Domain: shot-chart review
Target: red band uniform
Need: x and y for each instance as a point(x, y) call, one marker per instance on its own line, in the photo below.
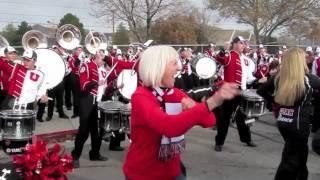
point(234, 72)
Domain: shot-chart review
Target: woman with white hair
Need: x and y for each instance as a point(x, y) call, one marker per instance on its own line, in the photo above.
point(161, 115)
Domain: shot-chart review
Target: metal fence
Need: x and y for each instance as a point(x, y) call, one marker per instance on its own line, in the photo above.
point(202, 47)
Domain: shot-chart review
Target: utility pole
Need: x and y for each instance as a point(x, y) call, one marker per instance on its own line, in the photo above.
point(112, 22)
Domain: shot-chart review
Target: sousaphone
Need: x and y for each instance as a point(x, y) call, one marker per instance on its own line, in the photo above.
point(94, 41)
point(3, 44)
point(68, 36)
point(34, 39)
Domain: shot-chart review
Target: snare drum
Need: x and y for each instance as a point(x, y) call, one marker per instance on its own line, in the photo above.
point(111, 110)
point(252, 105)
point(18, 128)
point(125, 112)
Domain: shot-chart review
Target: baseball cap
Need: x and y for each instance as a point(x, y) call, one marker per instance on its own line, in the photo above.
point(238, 39)
point(119, 51)
point(9, 49)
point(309, 49)
point(30, 54)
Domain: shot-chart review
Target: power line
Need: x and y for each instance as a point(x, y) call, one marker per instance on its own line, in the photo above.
point(38, 15)
point(42, 5)
point(45, 24)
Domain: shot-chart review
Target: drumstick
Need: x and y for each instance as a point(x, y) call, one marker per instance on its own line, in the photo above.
point(110, 71)
point(49, 98)
point(262, 74)
point(249, 37)
point(234, 31)
point(94, 40)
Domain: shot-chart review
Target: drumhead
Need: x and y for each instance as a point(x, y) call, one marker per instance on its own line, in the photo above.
point(17, 114)
point(251, 94)
point(52, 65)
point(126, 108)
point(110, 106)
point(129, 79)
point(206, 67)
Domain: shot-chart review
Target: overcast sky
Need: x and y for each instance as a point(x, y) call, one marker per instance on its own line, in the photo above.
point(45, 11)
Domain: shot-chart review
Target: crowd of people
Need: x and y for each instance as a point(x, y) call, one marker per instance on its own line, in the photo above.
point(171, 98)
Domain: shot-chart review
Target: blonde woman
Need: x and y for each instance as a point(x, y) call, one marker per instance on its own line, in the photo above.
point(291, 90)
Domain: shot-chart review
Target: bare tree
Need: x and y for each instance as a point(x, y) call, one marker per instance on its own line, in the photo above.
point(265, 16)
point(138, 14)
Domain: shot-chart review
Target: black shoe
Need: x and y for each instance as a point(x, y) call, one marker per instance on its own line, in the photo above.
point(251, 144)
point(76, 163)
point(218, 148)
point(74, 116)
point(97, 158)
point(69, 108)
point(116, 148)
point(63, 116)
point(48, 118)
point(40, 119)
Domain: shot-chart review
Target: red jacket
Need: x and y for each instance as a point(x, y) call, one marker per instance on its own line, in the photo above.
point(232, 67)
point(89, 73)
point(148, 124)
point(6, 69)
point(262, 71)
point(74, 67)
point(121, 65)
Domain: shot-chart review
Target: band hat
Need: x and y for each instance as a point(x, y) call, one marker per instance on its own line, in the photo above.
point(114, 47)
point(30, 54)
point(261, 46)
point(9, 49)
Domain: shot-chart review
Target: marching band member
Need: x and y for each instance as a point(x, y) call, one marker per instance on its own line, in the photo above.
point(88, 110)
point(187, 79)
point(8, 62)
point(115, 141)
point(156, 128)
point(309, 57)
point(292, 90)
point(26, 83)
point(211, 50)
point(235, 71)
point(56, 94)
point(74, 64)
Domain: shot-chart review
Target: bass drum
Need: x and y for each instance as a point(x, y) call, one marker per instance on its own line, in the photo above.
point(52, 65)
point(205, 67)
point(129, 80)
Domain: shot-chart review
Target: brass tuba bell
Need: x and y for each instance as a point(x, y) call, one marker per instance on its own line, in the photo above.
point(34, 39)
point(94, 41)
point(68, 36)
point(3, 44)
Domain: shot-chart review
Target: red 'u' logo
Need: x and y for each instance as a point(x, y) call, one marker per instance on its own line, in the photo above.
point(34, 76)
point(104, 74)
